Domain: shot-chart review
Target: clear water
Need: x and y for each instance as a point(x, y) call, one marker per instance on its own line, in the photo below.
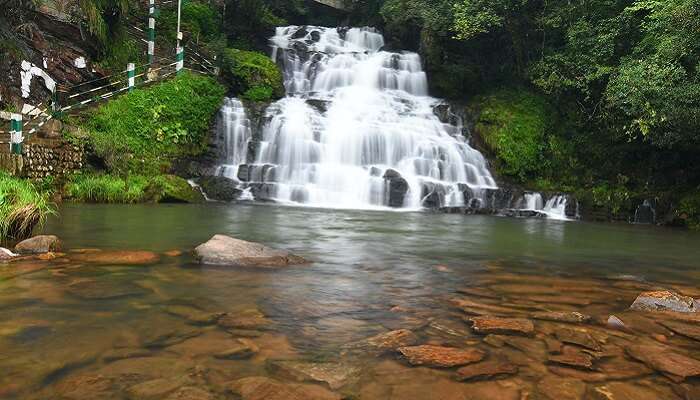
point(365, 264)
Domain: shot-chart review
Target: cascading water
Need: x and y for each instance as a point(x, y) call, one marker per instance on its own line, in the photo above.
point(356, 130)
point(556, 207)
point(236, 132)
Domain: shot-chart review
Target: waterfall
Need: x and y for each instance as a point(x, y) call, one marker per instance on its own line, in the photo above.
point(234, 126)
point(554, 208)
point(355, 130)
point(532, 201)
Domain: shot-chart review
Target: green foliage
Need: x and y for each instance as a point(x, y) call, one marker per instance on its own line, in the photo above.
point(689, 210)
point(198, 18)
point(514, 125)
point(253, 74)
point(143, 131)
point(22, 207)
point(132, 189)
point(104, 18)
point(122, 50)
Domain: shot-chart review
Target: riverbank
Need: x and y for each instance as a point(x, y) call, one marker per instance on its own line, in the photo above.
point(97, 321)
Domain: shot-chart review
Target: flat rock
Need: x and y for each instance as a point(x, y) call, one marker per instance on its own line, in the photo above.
point(486, 370)
point(244, 349)
point(683, 329)
point(39, 244)
point(623, 391)
point(562, 316)
point(477, 308)
point(620, 368)
point(251, 319)
point(502, 326)
point(578, 374)
point(117, 257)
point(190, 393)
point(225, 250)
point(193, 315)
point(263, 388)
point(439, 356)
point(573, 358)
point(578, 337)
point(664, 300)
point(554, 388)
point(102, 289)
point(120, 354)
point(388, 341)
point(335, 375)
point(663, 359)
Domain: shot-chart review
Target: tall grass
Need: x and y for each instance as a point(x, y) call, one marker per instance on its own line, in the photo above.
point(107, 189)
point(22, 207)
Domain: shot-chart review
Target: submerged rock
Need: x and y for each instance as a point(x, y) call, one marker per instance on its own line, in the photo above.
point(441, 357)
point(247, 320)
point(193, 315)
point(335, 375)
point(573, 358)
point(562, 316)
point(553, 388)
point(387, 341)
point(263, 388)
point(244, 349)
point(117, 257)
point(6, 254)
point(661, 358)
point(578, 337)
point(39, 244)
point(225, 250)
point(664, 300)
point(486, 370)
point(502, 326)
point(683, 329)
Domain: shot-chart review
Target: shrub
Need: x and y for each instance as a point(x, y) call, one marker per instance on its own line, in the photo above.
point(132, 189)
point(253, 75)
point(200, 19)
point(22, 207)
point(689, 210)
point(144, 131)
point(514, 125)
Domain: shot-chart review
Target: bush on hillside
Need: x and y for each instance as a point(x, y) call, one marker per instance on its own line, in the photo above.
point(252, 75)
point(144, 131)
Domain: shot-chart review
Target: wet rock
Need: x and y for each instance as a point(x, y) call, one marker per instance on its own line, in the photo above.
point(623, 391)
point(578, 337)
point(85, 387)
point(117, 257)
point(486, 370)
point(251, 319)
point(531, 347)
point(173, 253)
point(245, 333)
point(502, 326)
point(664, 300)
point(39, 244)
point(120, 354)
point(168, 336)
point(661, 358)
point(155, 389)
point(335, 375)
point(244, 349)
point(478, 308)
point(553, 345)
point(6, 254)
point(439, 356)
point(622, 368)
point(572, 358)
point(553, 388)
point(190, 393)
point(262, 388)
point(578, 374)
point(225, 250)
point(562, 316)
point(389, 341)
point(102, 289)
point(615, 323)
point(683, 329)
point(193, 315)
point(220, 188)
point(397, 187)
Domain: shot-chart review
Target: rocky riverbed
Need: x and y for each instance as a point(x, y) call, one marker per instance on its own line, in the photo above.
point(136, 324)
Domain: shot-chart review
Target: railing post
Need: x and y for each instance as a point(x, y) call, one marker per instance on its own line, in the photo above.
point(16, 137)
point(180, 59)
point(131, 74)
point(151, 31)
point(55, 106)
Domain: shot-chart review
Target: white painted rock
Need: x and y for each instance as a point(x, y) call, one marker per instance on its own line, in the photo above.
point(225, 250)
point(664, 300)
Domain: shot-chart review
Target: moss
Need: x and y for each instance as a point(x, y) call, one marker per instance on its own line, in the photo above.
point(198, 18)
point(688, 210)
point(133, 189)
point(252, 75)
point(144, 131)
point(513, 125)
point(22, 207)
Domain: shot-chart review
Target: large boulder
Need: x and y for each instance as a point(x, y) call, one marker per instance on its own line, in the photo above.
point(397, 188)
point(220, 188)
point(664, 300)
point(173, 189)
point(225, 250)
point(39, 244)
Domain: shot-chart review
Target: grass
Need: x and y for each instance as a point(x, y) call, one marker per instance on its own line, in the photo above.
point(144, 131)
point(22, 207)
point(90, 188)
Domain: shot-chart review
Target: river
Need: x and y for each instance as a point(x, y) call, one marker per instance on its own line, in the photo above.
point(78, 329)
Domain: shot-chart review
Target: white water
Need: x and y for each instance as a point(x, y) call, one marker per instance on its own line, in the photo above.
point(554, 208)
point(235, 127)
point(351, 113)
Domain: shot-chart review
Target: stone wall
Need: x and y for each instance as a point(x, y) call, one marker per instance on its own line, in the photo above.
point(54, 157)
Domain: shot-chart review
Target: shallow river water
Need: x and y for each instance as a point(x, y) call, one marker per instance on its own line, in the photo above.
point(87, 326)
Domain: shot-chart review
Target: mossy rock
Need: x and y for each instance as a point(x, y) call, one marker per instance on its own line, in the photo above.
point(252, 75)
point(173, 189)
